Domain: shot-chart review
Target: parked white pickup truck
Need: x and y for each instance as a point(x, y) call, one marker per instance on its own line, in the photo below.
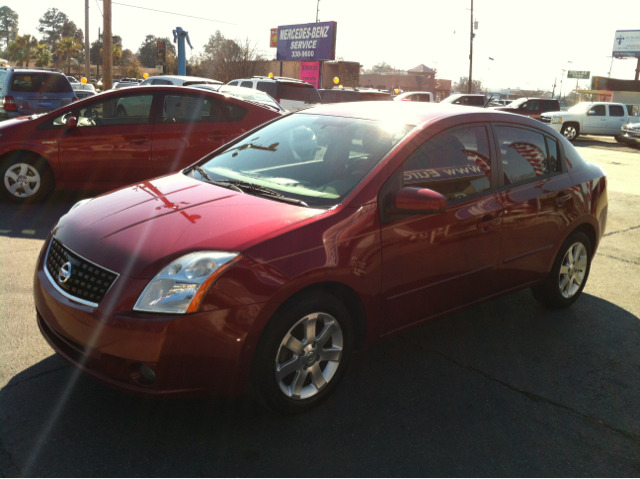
point(588, 118)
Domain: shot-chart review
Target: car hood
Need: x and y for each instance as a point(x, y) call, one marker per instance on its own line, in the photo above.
point(138, 229)
point(8, 124)
point(551, 114)
point(632, 126)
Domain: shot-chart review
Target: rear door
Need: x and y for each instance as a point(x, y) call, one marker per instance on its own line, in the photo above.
point(537, 199)
point(617, 118)
point(108, 148)
point(189, 126)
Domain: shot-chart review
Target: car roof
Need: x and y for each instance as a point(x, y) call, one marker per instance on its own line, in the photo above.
point(185, 78)
point(350, 88)
point(412, 113)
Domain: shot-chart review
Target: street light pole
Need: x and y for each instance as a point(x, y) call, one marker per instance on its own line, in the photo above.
point(470, 81)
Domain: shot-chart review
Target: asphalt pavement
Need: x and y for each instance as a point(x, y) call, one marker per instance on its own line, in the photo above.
point(506, 388)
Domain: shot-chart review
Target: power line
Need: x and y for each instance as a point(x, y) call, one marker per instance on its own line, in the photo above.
point(173, 13)
point(99, 9)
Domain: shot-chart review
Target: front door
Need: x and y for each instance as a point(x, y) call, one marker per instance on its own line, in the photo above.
point(110, 147)
point(595, 122)
point(537, 198)
point(434, 263)
point(190, 126)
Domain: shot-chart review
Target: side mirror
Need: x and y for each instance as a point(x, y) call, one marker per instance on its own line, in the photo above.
point(419, 200)
point(592, 112)
point(71, 122)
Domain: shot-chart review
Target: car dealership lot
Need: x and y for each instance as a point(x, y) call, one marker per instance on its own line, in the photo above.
point(505, 388)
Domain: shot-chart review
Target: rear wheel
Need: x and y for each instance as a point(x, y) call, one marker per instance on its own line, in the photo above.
point(302, 354)
point(570, 131)
point(26, 178)
point(569, 274)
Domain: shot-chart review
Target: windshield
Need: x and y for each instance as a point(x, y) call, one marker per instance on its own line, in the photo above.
point(517, 103)
point(316, 159)
point(580, 107)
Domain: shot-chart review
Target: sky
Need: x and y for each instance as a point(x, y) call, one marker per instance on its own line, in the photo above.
point(531, 42)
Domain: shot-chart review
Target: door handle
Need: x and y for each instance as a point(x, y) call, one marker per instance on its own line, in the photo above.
point(561, 199)
point(486, 224)
point(138, 141)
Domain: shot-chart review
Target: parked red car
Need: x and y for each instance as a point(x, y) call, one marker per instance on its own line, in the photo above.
point(270, 260)
point(118, 138)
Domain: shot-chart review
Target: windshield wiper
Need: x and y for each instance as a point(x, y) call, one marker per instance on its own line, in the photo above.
point(263, 191)
point(207, 179)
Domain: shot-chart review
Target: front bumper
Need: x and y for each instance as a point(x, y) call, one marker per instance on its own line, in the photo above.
point(206, 353)
point(630, 137)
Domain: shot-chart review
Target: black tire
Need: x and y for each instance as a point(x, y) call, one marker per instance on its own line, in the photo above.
point(31, 173)
point(550, 291)
point(570, 131)
point(619, 139)
point(268, 388)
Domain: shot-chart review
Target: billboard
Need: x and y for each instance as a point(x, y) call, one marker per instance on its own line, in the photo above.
point(273, 39)
point(580, 75)
point(626, 43)
point(307, 42)
point(310, 72)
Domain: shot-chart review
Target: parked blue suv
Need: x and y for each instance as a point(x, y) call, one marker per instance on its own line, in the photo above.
point(26, 91)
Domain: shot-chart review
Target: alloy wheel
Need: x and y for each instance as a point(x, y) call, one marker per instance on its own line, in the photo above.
point(573, 270)
point(570, 132)
point(22, 180)
point(309, 356)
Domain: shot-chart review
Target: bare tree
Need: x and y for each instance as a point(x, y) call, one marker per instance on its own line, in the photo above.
point(226, 59)
point(476, 86)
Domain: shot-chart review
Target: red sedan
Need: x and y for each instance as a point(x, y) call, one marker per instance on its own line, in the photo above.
point(269, 261)
point(117, 138)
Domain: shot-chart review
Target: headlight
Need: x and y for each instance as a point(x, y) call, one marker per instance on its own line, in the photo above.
point(80, 203)
point(557, 119)
point(181, 285)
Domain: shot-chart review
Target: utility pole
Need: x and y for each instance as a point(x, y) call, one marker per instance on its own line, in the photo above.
point(318, 13)
point(553, 93)
point(561, 78)
point(638, 70)
point(470, 81)
point(107, 48)
point(87, 51)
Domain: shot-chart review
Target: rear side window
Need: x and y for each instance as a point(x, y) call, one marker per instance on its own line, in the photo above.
point(616, 110)
point(524, 154)
point(162, 82)
point(235, 112)
point(190, 109)
point(455, 163)
point(247, 84)
point(550, 105)
point(40, 83)
point(297, 92)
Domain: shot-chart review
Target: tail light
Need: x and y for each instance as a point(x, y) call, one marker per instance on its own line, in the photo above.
point(9, 104)
point(75, 98)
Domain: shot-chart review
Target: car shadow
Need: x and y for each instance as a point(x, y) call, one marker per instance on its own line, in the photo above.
point(605, 142)
point(506, 388)
point(36, 220)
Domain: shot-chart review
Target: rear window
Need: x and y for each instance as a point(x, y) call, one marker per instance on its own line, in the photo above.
point(297, 92)
point(40, 83)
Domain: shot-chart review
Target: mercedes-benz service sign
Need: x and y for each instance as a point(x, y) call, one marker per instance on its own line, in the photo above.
point(307, 42)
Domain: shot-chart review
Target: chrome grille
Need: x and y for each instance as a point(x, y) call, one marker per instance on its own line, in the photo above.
point(81, 280)
point(545, 119)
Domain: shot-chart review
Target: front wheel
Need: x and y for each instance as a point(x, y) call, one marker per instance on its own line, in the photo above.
point(569, 274)
point(302, 354)
point(570, 131)
point(26, 179)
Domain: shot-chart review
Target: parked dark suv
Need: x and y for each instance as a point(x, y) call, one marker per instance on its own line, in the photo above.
point(26, 91)
point(342, 95)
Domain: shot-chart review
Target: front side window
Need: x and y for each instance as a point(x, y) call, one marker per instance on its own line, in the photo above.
point(598, 110)
point(127, 110)
point(190, 109)
point(316, 159)
point(247, 84)
point(524, 154)
point(532, 105)
point(455, 163)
